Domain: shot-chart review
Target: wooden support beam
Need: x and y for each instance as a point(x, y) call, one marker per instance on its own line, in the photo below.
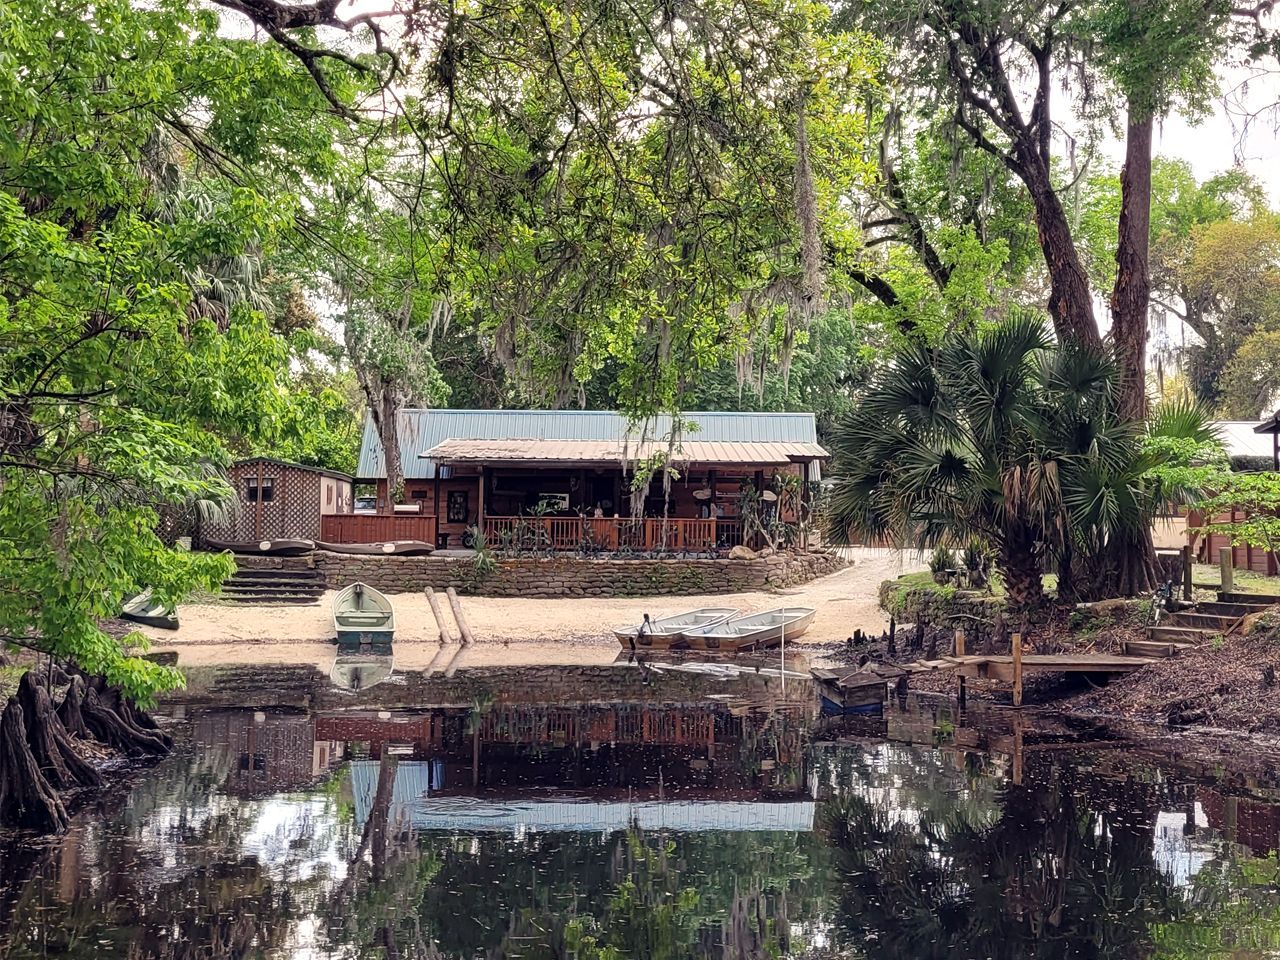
point(445, 635)
point(1227, 569)
point(1186, 571)
point(1017, 669)
point(959, 652)
point(463, 627)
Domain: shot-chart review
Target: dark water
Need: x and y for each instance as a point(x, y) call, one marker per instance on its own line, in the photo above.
point(662, 825)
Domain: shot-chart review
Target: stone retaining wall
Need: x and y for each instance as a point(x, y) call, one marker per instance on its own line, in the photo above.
point(911, 601)
point(574, 577)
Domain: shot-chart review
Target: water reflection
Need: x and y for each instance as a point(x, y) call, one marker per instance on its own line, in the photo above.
point(360, 671)
point(656, 827)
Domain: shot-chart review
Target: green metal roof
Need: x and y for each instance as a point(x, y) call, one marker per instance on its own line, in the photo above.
point(420, 430)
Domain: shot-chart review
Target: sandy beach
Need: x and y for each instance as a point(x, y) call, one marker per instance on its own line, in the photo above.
point(511, 630)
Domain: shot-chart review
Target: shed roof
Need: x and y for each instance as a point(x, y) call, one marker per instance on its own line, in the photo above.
point(422, 430)
point(611, 451)
point(276, 461)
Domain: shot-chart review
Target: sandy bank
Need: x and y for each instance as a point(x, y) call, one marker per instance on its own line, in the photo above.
point(845, 601)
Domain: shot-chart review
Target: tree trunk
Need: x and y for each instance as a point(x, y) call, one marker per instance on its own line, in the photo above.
point(1132, 292)
point(27, 799)
point(1070, 299)
point(380, 814)
point(1023, 580)
point(387, 422)
point(50, 744)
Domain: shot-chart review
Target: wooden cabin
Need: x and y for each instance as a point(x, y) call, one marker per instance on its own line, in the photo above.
point(280, 500)
point(574, 470)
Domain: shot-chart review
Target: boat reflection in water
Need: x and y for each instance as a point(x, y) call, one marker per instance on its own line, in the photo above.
point(360, 671)
point(653, 823)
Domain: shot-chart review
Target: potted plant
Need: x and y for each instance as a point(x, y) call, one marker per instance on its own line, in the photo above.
point(942, 565)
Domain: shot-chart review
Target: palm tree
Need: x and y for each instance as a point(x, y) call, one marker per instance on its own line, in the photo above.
point(1006, 436)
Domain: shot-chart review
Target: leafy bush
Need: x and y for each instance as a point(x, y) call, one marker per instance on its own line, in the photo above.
point(941, 564)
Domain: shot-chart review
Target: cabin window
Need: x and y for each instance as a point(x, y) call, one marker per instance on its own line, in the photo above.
point(328, 495)
point(457, 506)
point(268, 489)
point(419, 494)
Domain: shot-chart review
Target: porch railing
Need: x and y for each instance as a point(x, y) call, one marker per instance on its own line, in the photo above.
point(376, 528)
point(611, 534)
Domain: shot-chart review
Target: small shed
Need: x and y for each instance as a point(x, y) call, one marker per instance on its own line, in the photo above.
point(277, 500)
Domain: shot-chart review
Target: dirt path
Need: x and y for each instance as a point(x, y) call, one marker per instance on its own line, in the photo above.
point(518, 630)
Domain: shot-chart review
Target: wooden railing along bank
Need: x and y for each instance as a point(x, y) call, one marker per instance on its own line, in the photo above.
point(611, 534)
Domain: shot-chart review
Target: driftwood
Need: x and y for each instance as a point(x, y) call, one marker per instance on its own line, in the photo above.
point(27, 798)
point(51, 746)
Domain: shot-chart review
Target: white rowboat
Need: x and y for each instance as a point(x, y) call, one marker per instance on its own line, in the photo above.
point(668, 632)
point(362, 615)
point(753, 632)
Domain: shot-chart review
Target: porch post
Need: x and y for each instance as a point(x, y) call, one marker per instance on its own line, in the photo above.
point(480, 503)
point(711, 512)
point(759, 478)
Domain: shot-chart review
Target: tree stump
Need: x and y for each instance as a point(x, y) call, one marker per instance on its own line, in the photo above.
point(27, 799)
point(107, 726)
point(69, 710)
point(50, 744)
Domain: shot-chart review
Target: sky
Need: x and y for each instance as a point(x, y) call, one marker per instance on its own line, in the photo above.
point(1214, 144)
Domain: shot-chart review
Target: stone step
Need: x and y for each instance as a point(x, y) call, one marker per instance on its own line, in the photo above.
point(1183, 634)
point(248, 562)
point(264, 583)
point(255, 590)
point(291, 576)
point(1154, 648)
point(1203, 620)
point(274, 600)
point(1258, 599)
point(1230, 609)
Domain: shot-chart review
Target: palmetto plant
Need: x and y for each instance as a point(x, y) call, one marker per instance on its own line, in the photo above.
point(1005, 436)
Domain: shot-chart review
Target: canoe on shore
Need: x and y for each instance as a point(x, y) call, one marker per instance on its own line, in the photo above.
point(362, 618)
point(142, 609)
point(667, 633)
point(391, 548)
point(757, 631)
point(276, 548)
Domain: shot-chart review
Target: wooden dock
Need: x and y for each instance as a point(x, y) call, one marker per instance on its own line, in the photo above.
point(1001, 666)
point(1011, 667)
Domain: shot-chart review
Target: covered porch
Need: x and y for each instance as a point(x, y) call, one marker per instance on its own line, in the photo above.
point(581, 496)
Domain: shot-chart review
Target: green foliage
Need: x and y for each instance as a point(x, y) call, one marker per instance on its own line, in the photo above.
point(943, 560)
point(129, 338)
point(1251, 380)
point(1010, 438)
point(1256, 498)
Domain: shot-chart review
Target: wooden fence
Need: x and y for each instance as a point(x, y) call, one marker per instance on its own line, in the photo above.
point(376, 528)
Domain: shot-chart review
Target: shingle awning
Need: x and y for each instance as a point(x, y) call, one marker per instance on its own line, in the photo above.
point(715, 452)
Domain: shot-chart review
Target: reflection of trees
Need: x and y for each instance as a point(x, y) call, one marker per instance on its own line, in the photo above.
point(1064, 869)
point(1232, 910)
point(375, 907)
point(641, 895)
point(161, 871)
